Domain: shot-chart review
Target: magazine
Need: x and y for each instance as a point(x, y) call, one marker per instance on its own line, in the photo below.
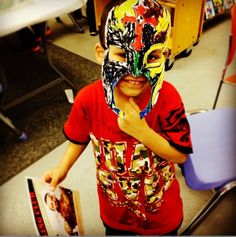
point(55, 213)
point(218, 4)
point(209, 9)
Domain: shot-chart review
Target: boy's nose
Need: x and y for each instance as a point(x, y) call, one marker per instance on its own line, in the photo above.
point(136, 64)
point(136, 69)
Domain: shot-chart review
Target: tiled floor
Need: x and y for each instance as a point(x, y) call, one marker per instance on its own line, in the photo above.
point(196, 77)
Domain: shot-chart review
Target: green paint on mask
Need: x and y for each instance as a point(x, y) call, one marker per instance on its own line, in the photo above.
point(136, 62)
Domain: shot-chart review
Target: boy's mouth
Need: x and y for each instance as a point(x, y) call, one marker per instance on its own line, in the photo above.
point(135, 81)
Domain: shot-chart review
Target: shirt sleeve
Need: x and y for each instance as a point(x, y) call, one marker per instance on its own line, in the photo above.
point(174, 124)
point(76, 128)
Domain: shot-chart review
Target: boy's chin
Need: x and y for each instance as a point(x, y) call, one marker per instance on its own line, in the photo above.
point(133, 92)
point(130, 93)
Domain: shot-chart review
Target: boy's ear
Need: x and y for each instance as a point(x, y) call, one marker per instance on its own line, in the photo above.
point(99, 53)
point(166, 53)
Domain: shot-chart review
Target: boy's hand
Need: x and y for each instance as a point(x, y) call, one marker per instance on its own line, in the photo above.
point(131, 123)
point(54, 177)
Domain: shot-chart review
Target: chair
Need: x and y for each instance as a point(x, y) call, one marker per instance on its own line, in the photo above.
point(20, 134)
point(212, 166)
point(230, 80)
point(73, 18)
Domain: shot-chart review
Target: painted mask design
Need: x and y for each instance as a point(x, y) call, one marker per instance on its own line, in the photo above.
point(138, 27)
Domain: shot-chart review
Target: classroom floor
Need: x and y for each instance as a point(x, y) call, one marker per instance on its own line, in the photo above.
point(196, 78)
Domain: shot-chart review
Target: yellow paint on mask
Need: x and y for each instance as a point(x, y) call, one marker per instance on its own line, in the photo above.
point(163, 21)
point(157, 88)
point(155, 68)
point(125, 9)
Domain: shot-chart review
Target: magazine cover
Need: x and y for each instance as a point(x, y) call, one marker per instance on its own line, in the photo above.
point(54, 213)
point(218, 4)
point(209, 9)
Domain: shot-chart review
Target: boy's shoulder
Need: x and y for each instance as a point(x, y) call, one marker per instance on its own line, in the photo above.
point(168, 88)
point(90, 88)
point(169, 97)
point(90, 92)
point(93, 85)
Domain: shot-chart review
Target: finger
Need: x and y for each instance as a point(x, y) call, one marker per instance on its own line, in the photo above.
point(121, 115)
point(52, 188)
point(128, 108)
point(47, 177)
point(54, 182)
point(134, 105)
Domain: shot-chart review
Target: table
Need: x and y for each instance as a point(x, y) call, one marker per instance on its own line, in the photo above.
point(35, 11)
point(26, 13)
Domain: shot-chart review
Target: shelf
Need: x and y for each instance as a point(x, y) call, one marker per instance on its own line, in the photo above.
point(171, 4)
point(211, 11)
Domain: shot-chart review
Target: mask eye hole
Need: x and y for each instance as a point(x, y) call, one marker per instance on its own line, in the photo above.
point(154, 57)
point(117, 54)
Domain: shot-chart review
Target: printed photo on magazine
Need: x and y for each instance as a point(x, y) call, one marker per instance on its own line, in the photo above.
point(209, 9)
point(55, 213)
point(218, 5)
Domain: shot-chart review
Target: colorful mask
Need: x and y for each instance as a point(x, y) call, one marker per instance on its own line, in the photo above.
point(138, 27)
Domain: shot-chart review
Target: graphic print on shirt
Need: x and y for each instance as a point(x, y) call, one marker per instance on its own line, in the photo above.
point(129, 178)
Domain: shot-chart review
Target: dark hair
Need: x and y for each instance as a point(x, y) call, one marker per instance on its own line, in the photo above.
point(45, 197)
point(104, 16)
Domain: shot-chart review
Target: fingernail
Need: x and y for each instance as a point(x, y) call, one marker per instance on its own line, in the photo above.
point(121, 114)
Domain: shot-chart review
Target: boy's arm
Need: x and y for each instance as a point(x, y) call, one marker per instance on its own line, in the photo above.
point(139, 129)
point(58, 174)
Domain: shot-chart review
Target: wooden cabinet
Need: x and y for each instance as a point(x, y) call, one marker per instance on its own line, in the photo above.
point(99, 6)
point(187, 18)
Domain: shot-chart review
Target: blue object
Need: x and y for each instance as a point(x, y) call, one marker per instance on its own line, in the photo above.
point(213, 162)
point(23, 137)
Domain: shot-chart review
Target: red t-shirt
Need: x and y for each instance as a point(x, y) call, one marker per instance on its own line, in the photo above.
point(137, 190)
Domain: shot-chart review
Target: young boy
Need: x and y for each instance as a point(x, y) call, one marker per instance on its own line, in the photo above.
point(135, 121)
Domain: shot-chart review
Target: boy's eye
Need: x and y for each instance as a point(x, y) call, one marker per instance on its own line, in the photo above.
point(117, 54)
point(122, 55)
point(153, 57)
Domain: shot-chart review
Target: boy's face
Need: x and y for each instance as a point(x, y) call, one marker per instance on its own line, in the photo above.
point(52, 202)
point(130, 85)
point(136, 37)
